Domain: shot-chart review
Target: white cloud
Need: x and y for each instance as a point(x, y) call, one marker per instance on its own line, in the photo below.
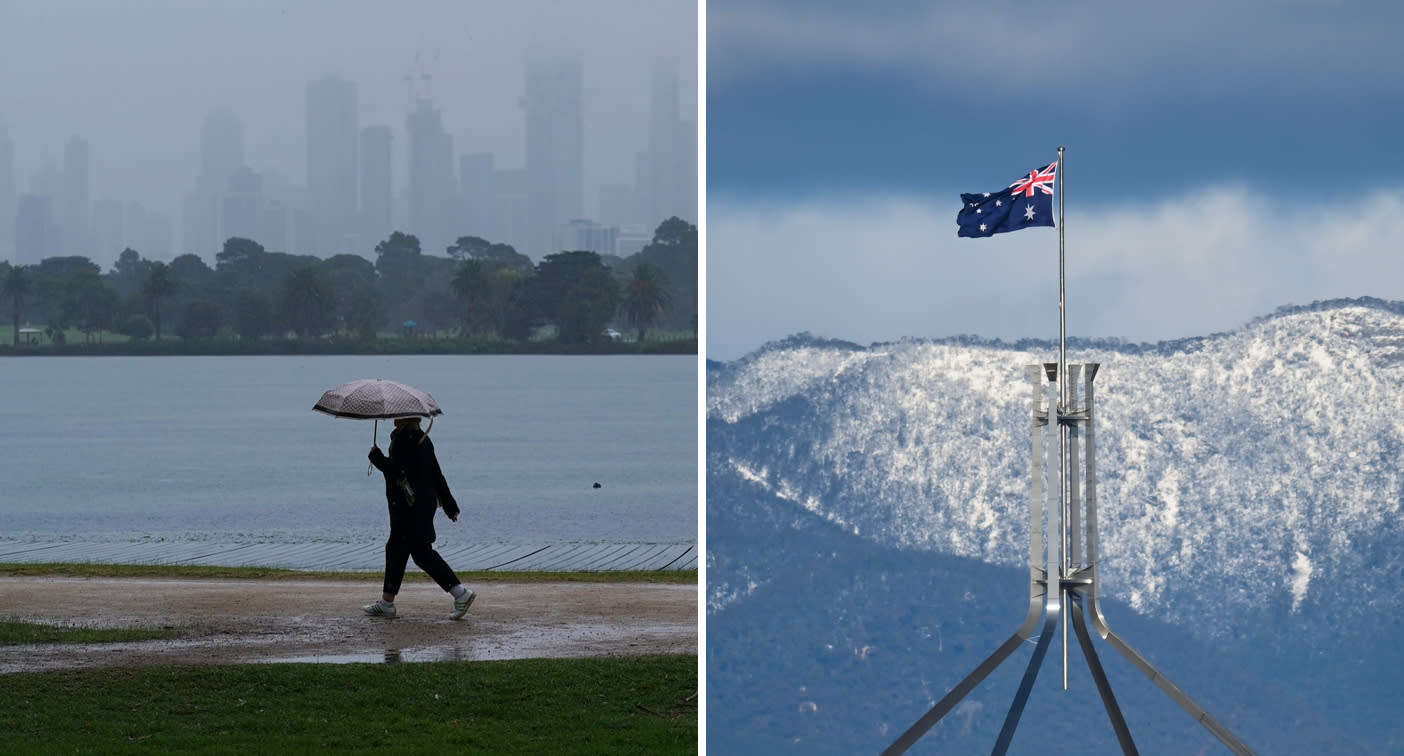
point(883, 268)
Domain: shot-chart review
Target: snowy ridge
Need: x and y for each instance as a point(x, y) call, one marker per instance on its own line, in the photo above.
point(1259, 465)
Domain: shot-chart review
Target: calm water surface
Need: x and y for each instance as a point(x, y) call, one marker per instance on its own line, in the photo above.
point(228, 449)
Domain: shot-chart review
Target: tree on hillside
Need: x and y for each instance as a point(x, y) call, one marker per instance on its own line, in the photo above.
point(646, 297)
point(155, 290)
point(17, 285)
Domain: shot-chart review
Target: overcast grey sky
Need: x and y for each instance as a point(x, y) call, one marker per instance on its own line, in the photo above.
point(136, 78)
point(1224, 159)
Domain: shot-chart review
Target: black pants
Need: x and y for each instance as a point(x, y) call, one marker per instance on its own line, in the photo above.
point(412, 536)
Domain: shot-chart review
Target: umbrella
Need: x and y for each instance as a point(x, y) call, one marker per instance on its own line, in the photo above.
point(376, 399)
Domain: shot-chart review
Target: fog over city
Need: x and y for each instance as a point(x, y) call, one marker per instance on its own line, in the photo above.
point(136, 82)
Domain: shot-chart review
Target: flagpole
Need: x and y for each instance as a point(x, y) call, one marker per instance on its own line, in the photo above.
point(1062, 292)
point(1064, 397)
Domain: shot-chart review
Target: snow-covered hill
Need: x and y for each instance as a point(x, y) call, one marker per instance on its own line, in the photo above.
point(1260, 466)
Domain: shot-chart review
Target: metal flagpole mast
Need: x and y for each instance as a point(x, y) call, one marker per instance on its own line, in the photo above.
point(1063, 399)
point(1062, 290)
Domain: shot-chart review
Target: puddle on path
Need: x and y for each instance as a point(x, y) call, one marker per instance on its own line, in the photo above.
point(391, 656)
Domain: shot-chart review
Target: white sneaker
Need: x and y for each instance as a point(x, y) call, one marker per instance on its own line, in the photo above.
point(461, 604)
point(380, 609)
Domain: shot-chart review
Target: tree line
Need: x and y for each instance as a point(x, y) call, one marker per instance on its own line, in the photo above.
point(477, 290)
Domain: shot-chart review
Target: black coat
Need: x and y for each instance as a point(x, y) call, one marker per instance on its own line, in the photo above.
point(412, 460)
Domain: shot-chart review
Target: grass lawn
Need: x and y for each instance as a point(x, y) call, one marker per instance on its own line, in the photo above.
point(20, 633)
point(631, 705)
point(626, 705)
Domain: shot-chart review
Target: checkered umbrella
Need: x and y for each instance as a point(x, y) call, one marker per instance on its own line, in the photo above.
point(376, 399)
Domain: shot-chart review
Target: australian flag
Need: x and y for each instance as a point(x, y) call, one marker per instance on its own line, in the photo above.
point(1026, 202)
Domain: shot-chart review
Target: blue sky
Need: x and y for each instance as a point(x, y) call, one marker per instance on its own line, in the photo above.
point(1223, 159)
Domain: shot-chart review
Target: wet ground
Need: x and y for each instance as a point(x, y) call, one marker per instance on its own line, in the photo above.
point(237, 621)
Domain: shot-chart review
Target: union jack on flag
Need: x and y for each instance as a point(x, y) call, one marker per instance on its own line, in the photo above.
point(1026, 202)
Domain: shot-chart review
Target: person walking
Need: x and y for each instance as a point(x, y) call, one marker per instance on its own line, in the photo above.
point(414, 489)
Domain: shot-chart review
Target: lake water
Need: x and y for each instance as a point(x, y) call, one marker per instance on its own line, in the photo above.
point(228, 449)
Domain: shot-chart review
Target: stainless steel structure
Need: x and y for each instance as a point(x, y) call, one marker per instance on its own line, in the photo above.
point(1063, 581)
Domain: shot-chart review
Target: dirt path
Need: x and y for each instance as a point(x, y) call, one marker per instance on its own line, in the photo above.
point(231, 621)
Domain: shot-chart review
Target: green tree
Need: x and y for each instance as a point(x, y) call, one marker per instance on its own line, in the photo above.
point(239, 254)
point(348, 276)
point(675, 232)
point(51, 277)
point(646, 297)
point(253, 314)
point(673, 252)
point(138, 327)
point(17, 285)
point(555, 276)
point(191, 272)
point(587, 307)
point(399, 263)
point(158, 287)
point(89, 303)
point(506, 304)
point(308, 304)
point(128, 273)
point(471, 284)
point(495, 256)
point(366, 312)
point(201, 319)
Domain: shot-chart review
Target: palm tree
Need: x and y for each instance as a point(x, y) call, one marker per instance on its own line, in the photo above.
point(17, 285)
point(646, 297)
point(157, 287)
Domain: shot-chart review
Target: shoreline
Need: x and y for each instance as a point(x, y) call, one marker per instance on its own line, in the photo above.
point(365, 556)
point(683, 347)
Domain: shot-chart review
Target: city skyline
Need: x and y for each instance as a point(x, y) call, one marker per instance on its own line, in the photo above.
point(478, 92)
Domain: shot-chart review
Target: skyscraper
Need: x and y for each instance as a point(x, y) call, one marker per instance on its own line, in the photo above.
point(221, 146)
point(433, 190)
point(149, 232)
point(666, 175)
point(7, 196)
point(333, 144)
point(109, 232)
point(221, 156)
point(376, 193)
point(555, 144)
point(36, 232)
point(73, 200)
point(475, 171)
point(241, 207)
